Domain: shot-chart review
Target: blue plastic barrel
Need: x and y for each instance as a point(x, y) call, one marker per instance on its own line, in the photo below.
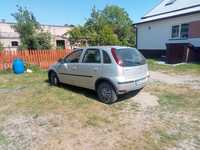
point(18, 66)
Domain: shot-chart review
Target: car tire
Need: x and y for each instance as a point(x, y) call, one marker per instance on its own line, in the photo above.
point(53, 79)
point(106, 93)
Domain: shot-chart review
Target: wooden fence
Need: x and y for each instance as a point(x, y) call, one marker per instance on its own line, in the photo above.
point(41, 58)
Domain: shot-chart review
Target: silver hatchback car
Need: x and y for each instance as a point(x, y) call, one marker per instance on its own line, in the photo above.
point(109, 70)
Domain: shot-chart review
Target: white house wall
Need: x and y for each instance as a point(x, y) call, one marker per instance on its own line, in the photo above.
point(8, 34)
point(56, 30)
point(155, 35)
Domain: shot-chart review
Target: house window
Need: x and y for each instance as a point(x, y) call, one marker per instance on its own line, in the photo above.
point(14, 43)
point(180, 31)
point(175, 31)
point(184, 31)
point(60, 44)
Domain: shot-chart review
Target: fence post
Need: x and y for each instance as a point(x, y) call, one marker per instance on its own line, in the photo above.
point(3, 60)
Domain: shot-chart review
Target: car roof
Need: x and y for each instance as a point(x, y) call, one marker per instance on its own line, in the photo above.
point(107, 48)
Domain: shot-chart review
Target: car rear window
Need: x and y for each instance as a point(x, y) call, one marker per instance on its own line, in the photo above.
point(130, 57)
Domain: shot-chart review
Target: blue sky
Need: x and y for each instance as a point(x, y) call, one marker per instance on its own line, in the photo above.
point(75, 12)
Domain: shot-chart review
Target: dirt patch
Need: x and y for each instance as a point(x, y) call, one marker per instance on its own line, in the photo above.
point(11, 90)
point(23, 132)
point(121, 133)
point(135, 123)
point(186, 80)
point(122, 128)
point(146, 100)
point(190, 144)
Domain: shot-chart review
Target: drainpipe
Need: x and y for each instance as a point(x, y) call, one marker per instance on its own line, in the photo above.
point(136, 36)
point(187, 54)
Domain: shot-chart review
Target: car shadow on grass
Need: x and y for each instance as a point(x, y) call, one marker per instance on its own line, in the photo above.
point(93, 95)
point(82, 91)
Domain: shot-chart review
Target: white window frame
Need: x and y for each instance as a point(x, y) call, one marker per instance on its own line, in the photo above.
point(181, 30)
point(179, 34)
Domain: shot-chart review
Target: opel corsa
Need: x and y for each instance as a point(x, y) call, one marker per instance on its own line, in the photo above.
point(110, 71)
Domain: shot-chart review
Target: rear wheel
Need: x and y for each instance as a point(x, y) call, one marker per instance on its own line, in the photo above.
point(53, 79)
point(106, 93)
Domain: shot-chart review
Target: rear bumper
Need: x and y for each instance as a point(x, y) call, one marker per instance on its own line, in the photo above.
point(125, 87)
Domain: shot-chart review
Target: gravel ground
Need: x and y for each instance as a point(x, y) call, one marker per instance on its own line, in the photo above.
point(186, 80)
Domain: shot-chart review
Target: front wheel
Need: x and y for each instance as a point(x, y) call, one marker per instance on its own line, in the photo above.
point(106, 93)
point(53, 79)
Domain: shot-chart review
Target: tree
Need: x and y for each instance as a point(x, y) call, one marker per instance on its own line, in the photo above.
point(99, 31)
point(30, 30)
point(107, 37)
point(112, 26)
point(122, 25)
point(1, 47)
point(44, 40)
point(26, 26)
point(77, 34)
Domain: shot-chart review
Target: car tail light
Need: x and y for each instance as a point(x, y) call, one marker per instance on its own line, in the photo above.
point(117, 59)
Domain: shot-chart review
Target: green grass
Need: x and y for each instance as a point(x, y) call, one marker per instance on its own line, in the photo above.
point(165, 138)
point(3, 139)
point(180, 101)
point(8, 71)
point(179, 69)
point(176, 98)
point(177, 102)
point(31, 95)
point(97, 120)
point(159, 138)
point(178, 115)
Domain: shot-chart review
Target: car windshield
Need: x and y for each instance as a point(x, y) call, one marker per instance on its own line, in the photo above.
point(130, 57)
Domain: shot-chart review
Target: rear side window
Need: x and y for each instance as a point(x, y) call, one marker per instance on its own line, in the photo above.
point(92, 56)
point(130, 57)
point(106, 58)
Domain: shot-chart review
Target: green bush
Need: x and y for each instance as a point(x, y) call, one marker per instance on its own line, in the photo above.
point(1, 47)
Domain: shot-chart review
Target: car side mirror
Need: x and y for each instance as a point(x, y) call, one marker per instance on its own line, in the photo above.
point(61, 60)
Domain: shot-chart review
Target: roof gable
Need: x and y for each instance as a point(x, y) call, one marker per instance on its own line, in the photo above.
point(169, 8)
point(172, 5)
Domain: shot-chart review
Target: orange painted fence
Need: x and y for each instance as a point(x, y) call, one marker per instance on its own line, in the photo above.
point(41, 58)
